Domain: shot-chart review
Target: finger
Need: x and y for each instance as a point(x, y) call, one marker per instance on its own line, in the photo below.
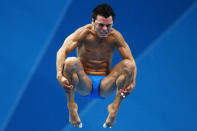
point(122, 95)
point(126, 92)
point(69, 86)
point(64, 80)
point(67, 82)
point(129, 88)
point(121, 90)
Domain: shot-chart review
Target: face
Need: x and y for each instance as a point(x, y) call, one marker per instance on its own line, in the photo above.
point(102, 25)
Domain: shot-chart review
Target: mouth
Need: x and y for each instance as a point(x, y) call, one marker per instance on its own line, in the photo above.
point(104, 34)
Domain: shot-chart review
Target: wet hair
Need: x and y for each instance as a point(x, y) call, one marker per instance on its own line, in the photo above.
point(104, 10)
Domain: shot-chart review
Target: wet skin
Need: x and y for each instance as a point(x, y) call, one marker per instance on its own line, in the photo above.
point(95, 44)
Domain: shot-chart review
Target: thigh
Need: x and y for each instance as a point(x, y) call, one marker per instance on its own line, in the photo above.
point(108, 84)
point(74, 72)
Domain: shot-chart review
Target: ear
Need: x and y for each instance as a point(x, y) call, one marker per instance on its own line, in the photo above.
point(92, 21)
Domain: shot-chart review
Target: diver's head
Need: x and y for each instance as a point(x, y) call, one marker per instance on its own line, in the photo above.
point(102, 19)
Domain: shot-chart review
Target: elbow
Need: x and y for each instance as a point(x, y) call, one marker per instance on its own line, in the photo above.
point(130, 61)
point(129, 64)
point(60, 53)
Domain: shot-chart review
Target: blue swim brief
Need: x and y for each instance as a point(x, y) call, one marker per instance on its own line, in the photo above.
point(96, 80)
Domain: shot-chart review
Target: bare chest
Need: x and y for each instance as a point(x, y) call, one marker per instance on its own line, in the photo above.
point(92, 48)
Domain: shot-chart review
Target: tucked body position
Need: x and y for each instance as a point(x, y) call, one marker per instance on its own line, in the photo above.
point(90, 73)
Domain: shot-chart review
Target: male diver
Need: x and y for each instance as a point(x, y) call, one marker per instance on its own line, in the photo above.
point(89, 73)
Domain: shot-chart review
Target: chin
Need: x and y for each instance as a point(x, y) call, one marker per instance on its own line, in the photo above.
point(103, 36)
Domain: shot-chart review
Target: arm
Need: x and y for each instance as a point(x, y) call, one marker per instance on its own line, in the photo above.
point(70, 43)
point(125, 52)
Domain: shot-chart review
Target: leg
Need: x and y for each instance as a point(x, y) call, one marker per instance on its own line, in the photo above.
point(72, 107)
point(73, 71)
point(119, 78)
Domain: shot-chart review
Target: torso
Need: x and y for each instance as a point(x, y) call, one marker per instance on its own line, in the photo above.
point(96, 54)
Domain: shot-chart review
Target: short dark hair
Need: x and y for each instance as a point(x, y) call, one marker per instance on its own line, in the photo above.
point(103, 10)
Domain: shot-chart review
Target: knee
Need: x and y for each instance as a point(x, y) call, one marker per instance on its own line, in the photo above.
point(72, 64)
point(71, 60)
point(128, 65)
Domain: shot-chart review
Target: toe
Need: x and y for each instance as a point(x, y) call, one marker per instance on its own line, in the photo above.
point(104, 125)
point(107, 125)
point(80, 125)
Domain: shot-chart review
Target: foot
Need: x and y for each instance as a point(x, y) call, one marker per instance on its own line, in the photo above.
point(74, 117)
point(111, 117)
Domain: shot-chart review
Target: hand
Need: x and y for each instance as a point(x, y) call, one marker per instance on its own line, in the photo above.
point(65, 84)
point(125, 92)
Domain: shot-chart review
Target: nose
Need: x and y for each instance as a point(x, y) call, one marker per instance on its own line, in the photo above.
point(105, 27)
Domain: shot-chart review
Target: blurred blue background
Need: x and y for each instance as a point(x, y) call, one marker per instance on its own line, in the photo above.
point(162, 35)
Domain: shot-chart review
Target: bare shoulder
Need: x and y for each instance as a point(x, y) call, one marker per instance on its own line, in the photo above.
point(118, 37)
point(88, 26)
point(83, 29)
point(79, 33)
point(115, 32)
